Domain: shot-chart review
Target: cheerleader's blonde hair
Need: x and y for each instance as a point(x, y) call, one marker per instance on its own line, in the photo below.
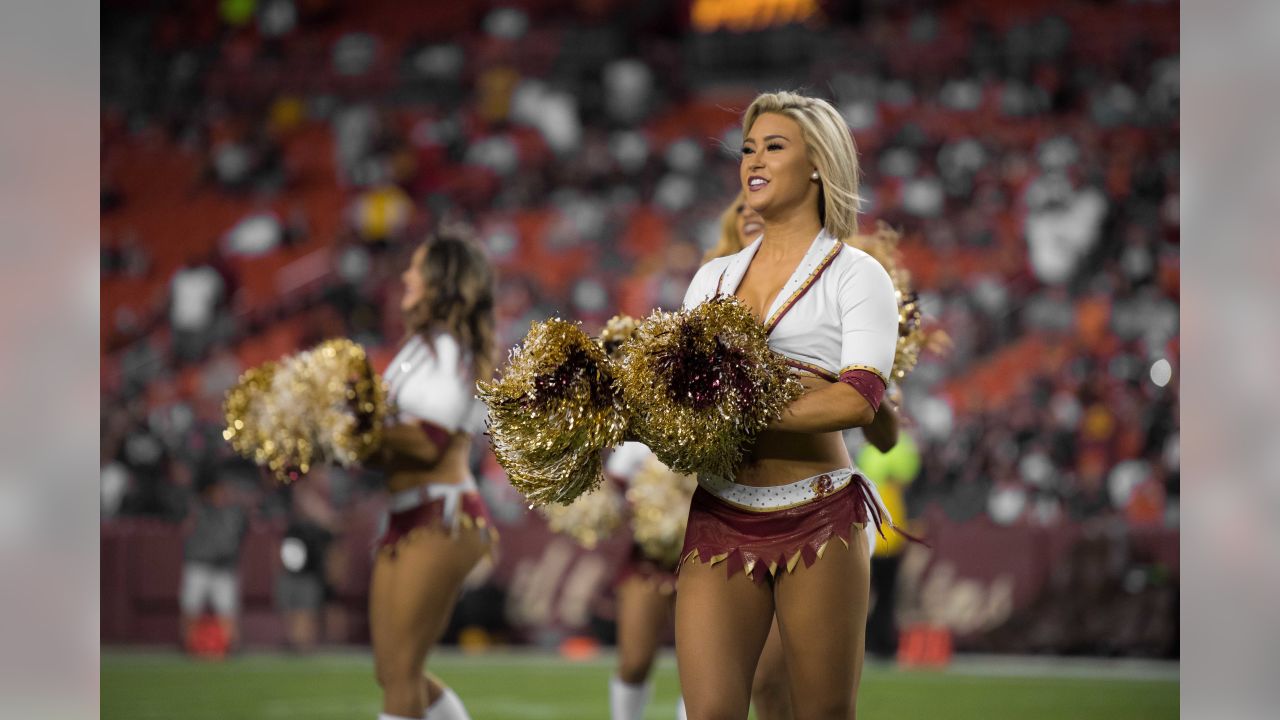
point(828, 145)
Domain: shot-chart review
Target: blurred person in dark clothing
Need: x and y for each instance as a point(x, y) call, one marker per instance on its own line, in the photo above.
point(214, 533)
point(147, 461)
point(301, 585)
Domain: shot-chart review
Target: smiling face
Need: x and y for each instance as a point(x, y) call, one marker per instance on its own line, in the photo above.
point(415, 283)
point(749, 222)
point(775, 170)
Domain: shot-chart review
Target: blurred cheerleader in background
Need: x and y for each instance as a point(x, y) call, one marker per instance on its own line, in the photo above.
point(438, 527)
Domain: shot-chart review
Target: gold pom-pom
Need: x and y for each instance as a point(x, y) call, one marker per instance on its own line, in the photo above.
point(701, 383)
point(242, 406)
point(883, 246)
point(589, 519)
point(322, 405)
point(551, 413)
point(659, 500)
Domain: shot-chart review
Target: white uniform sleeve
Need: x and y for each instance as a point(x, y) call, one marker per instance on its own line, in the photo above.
point(440, 390)
point(868, 318)
point(703, 285)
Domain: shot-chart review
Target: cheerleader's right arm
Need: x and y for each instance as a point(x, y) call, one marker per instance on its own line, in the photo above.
point(407, 443)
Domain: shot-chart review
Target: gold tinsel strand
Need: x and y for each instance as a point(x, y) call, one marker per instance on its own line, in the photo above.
point(594, 516)
point(701, 383)
point(659, 500)
point(551, 413)
point(321, 405)
point(883, 246)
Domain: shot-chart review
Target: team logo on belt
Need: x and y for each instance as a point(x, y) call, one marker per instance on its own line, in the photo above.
point(822, 485)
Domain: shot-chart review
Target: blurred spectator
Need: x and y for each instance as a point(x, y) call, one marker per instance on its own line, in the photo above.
point(1062, 226)
point(552, 111)
point(214, 532)
point(628, 86)
point(381, 214)
point(143, 455)
point(114, 479)
point(354, 54)
point(255, 234)
point(126, 257)
point(247, 160)
point(301, 582)
point(197, 290)
point(356, 129)
point(277, 18)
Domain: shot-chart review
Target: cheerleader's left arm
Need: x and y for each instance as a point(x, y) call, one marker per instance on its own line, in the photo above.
point(882, 433)
point(868, 308)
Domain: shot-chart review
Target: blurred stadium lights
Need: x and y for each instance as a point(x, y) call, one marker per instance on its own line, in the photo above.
point(748, 15)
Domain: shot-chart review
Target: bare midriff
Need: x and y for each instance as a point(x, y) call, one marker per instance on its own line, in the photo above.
point(404, 472)
point(778, 458)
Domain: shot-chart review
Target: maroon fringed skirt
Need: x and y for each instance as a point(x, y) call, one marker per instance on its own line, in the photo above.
point(470, 512)
point(761, 543)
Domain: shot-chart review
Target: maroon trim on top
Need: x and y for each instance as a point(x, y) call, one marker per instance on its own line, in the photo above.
point(821, 372)
point(868, 384)
point(808, 283)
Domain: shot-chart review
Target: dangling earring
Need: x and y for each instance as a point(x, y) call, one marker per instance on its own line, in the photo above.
point(814, 176)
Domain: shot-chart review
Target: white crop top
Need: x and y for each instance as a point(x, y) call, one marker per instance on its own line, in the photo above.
point(838, 311)
point(432, 382)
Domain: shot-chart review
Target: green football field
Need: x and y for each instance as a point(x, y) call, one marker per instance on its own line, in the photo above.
point(501, 686)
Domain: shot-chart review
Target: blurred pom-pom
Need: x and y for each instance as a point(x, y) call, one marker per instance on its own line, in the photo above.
point(321, 405)
point(911, 334)
point(589, 519)
point(552, 412)
point(243, 406)
point(617, 331)
point(659, 500)
point(701, 383)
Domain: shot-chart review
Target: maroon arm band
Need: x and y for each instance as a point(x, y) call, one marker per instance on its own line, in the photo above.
point(868, 384)
point(436, 434)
